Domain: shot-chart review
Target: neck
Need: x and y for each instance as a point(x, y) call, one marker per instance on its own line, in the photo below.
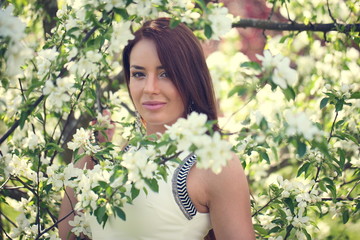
point(153, 129)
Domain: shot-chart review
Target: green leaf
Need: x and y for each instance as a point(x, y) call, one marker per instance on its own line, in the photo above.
point(323, 102)
point(208, 31)
point(174, 22)
point(275, 229)
point(303, 169)
point(134, 192)
point(47, 188)
point(258, 228)
point(339, 105)
point(240, 90)
point(308, 237)
point(120, 213)
point(53, 146)
point(201, 3)
point(330, 185)
point(100, 213)
point(265, 156)
point(342, 158)
point(253, 65)
point(171, 150)
point(289, 202)
point(301, 148)
point(103, 184)
point(122, 12)
point(345, 216)
point(355, 95)
point(343, 135)
point(289, 93)
point(153, 184)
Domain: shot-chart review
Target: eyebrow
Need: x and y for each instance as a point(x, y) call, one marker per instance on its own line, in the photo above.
point(142, 68)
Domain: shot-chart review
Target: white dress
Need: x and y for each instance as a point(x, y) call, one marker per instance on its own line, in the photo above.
point(167, 215)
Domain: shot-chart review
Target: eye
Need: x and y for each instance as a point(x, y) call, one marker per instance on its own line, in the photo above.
point(137, 74)
point(164, 75)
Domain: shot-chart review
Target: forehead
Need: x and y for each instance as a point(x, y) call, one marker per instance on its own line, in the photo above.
point(144, 53)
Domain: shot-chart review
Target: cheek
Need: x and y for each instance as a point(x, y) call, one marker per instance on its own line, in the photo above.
point(134, 92)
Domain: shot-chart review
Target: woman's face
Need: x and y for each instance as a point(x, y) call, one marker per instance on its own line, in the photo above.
point(154, 95)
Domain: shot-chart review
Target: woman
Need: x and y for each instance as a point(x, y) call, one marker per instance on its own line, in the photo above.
point(167, 78)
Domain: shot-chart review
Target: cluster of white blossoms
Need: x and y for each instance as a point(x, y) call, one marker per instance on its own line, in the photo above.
point(80, 225)
point(60, 92)
point(17, 52)
point(221, 21)
point(86, 65)
point(120, 36)
point(212, 151)
point(282, 74)
point(45, 59)
point(144, 8)
point(140, 164)
point(300, 124)
point(84, 138)
point(59, 177)
point(304, 193)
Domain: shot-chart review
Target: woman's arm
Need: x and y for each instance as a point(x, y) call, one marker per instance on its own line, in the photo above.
point(229, 203)
point(69, 199)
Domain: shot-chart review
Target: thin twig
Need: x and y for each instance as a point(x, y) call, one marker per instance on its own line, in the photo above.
point(8, 219)
point(17, 122)
point(4, 183)
point(54, 225)
point(68, 120)
point(349, 182)
point(329, 11)
point(332, 126)
point(22, 90)
point(267, 204)
point(352, 189)
point(3, 230)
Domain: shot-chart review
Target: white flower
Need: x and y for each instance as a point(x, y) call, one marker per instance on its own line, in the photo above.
point(44, 60)
point(11, 26)
point(284, 75)
point(80, 225)
point(213, 152)
point(299, 123)
point(139, 164)
point(104, 121)
point(110, 4)
point(144, 8)
point(17, 52)
point(80, 138)
point(189, 16)
point(86, 65)
point(268, 60)
point(300, 235)
point(120, 35)
point(221, 21)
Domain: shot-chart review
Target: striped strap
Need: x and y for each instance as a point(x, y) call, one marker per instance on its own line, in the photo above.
point(179, 187)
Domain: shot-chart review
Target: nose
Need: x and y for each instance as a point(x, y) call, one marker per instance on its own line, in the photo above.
point(151, 84)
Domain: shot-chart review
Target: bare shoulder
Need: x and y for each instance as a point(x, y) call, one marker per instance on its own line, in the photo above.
point(228, 201)
point(232, 174)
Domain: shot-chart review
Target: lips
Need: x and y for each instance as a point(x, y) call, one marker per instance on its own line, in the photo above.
point(153, 105)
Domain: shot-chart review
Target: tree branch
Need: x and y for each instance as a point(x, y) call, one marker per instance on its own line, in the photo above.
point(17, 122)
point(294, 26)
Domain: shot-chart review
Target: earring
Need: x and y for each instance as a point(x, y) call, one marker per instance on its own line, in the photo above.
point(191, 107)
point(138, 122)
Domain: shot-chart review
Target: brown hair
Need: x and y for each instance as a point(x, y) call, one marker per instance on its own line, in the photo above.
point(182, 57)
